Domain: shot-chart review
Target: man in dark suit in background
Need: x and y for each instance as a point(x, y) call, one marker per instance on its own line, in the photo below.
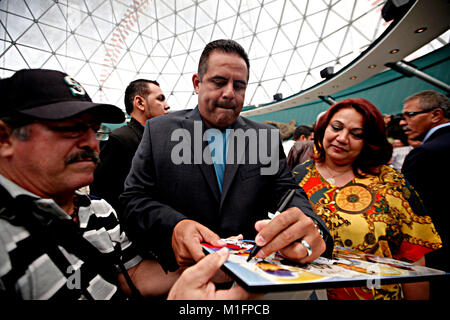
point(426, 117)
point(180, 191)
point(144, 100)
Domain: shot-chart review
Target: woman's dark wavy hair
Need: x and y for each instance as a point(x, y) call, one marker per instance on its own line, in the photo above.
point(376, 150)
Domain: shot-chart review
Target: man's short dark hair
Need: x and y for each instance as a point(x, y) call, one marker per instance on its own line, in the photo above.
point(226, 46)
point(136, 88)
point(302, 130)
point(430, 99)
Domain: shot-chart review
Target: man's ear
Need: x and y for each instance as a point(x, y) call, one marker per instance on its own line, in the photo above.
point(437, 115)
point(139, 103)
point(196, 82)
point(6, 147)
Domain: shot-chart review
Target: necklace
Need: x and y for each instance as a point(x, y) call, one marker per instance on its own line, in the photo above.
point(331, 179)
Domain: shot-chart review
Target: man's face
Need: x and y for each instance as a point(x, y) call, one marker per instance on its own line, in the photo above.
point(155, 102)
point(59, 156)
point(416, 126)
point(221, 92)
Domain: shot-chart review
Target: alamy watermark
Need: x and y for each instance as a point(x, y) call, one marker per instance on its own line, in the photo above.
point(263, 147)
point(374, 279)
point(74, 279)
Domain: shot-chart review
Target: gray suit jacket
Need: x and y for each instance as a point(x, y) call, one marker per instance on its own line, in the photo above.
point(159, 194)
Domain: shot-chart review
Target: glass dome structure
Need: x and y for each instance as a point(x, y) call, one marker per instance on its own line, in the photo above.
point(105, 44)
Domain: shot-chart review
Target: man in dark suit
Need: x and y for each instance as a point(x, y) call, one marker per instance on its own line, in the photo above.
point(426, 117)
point(144, 100)
point(180, 191)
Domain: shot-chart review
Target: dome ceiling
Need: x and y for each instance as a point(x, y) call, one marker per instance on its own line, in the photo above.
point(105, 44)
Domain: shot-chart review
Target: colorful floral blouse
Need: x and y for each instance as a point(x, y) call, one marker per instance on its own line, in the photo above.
point(380, 214)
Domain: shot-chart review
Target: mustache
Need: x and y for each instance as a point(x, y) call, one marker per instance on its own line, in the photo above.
point(84, 155)
point(406, 129)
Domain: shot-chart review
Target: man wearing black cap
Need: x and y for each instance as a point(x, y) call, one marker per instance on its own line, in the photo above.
point(56, 243)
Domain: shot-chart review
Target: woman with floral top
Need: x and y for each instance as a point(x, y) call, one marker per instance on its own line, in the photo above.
point(367, 205)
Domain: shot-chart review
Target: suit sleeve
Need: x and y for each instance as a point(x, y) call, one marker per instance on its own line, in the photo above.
point(148, 222)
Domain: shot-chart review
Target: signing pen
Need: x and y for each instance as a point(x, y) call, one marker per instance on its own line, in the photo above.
point(287, 198)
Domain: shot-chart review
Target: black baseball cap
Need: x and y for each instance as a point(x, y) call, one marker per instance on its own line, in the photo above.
point(50, 95)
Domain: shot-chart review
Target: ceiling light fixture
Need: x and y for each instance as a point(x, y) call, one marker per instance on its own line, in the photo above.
point(394, 51)
point(420, 30)
point(372, 66)
point(326, 73)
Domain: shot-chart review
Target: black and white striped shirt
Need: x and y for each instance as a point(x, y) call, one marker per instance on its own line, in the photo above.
point(30, 269)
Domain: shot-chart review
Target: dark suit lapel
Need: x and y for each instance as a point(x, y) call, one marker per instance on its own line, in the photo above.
point(196, 128)
point(232, 165)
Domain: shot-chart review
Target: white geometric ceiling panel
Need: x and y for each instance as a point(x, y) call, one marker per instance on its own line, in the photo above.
point(105, 44)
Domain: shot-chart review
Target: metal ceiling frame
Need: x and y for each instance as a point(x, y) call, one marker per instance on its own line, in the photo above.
point(397, 42)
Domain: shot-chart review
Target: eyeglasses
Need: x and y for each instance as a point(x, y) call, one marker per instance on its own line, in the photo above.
point(102, 134)
point(410, 114)
point(79, 129)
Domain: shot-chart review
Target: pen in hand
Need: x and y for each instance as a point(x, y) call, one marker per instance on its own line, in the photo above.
point(287, 198)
